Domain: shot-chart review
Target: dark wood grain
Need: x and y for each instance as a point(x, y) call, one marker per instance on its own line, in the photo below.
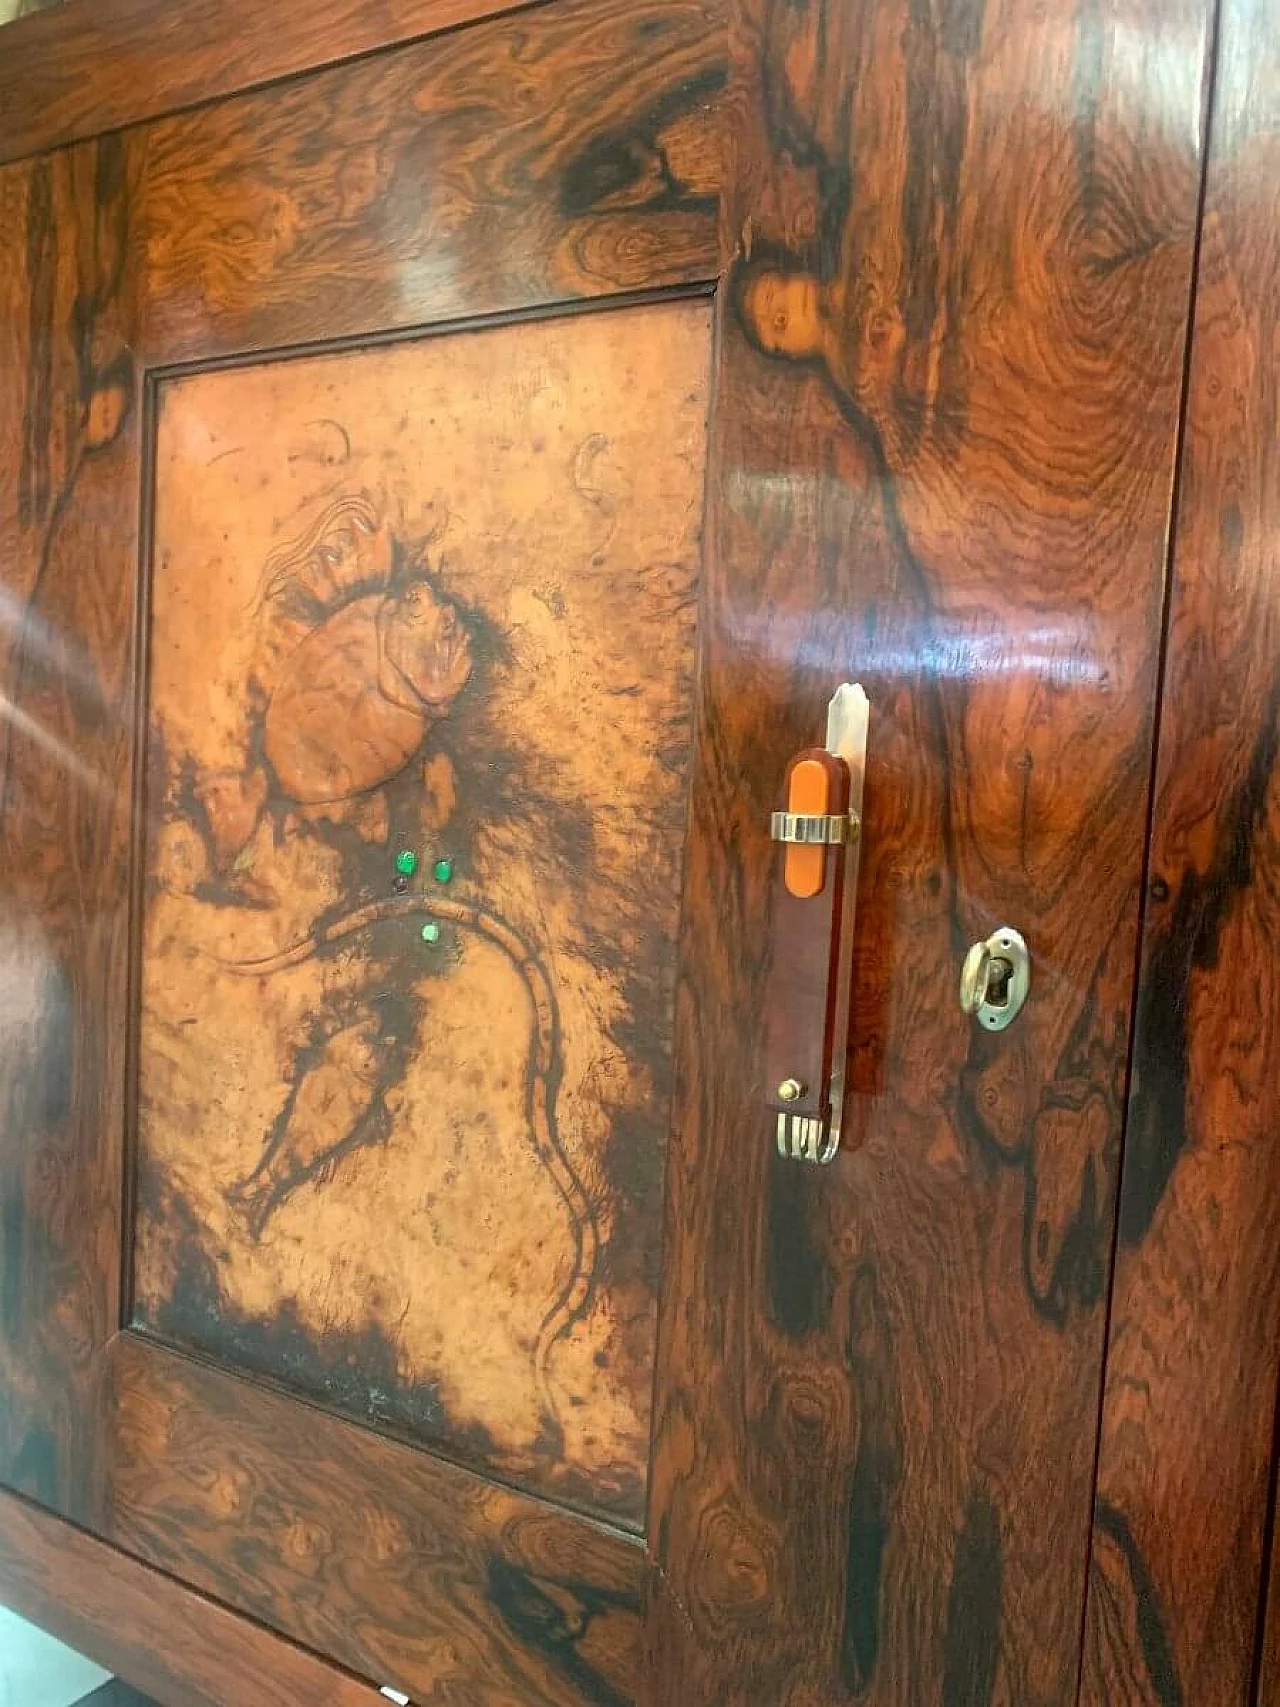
point(402, 1568)
point(439, 181)
point(954, 326)
point(175, 1644)
point(488, 173)
point(68, 519)
point(86, 66)
point(1191, 1367)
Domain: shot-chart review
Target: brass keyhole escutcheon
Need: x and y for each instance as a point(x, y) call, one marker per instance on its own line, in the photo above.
point(995, 979)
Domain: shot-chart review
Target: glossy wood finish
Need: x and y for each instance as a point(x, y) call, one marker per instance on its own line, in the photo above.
point(390, 191)
point(82, 67)
point(454, 179)
point(1190, 1398)
point(68, 541)
point(959, 244)
point(398, 1566)
point(953, 338)
point(382, 654)
point(176, 1644)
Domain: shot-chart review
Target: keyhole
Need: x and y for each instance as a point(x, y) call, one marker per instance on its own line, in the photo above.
point(999, 972)
point(995, 978)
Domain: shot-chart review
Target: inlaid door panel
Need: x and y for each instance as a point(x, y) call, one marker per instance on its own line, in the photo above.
point(418, 745)
point(450, 486)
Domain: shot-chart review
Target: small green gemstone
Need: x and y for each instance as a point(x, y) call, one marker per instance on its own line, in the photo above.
point(431, 933)
point(406, 862)
point(443, 870)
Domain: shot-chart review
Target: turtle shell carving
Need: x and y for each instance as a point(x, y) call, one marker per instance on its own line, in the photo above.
point(354, 701)
point(361, 654)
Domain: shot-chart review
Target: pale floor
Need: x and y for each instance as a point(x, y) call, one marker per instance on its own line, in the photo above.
point(36, 1671)
point(18, 8)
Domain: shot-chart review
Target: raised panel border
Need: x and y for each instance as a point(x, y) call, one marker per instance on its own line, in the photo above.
point(395, 1563)
point(254, 1382)
point(169, 1640)
point(83, 68)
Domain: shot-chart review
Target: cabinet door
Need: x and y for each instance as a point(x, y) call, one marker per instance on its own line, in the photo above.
point(429, 531)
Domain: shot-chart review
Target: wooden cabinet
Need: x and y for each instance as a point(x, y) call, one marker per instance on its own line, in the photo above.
point(451, 453)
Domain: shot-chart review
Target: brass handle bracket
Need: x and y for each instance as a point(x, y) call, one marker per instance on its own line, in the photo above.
point(807, 829)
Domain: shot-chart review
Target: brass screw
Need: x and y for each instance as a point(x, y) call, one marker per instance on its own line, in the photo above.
point(790, 1090)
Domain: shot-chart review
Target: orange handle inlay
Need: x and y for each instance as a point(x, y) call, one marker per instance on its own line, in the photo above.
point(804, 869)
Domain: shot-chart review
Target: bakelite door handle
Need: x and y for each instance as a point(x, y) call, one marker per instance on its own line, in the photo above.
point(818, 826)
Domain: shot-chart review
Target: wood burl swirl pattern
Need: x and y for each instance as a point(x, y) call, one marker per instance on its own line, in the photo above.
point(441, 1589)
point(77, 71)
point(172, 1641)
point(419, 1178)
point(454, 179)
point(954, 326)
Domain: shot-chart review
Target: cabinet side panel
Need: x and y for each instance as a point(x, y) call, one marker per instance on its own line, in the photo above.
point(1191, 1365)
point(69, 445)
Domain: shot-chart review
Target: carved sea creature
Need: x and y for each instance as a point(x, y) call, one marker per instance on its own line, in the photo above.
point(333, 1105)
point(360, 656)
point(576, 1290)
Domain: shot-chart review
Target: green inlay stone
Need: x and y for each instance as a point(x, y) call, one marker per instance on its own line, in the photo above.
point(406, 862)
point(431, 932)
point(443, 870)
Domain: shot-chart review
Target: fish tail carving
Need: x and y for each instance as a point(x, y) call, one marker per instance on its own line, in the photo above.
point(542, 1083)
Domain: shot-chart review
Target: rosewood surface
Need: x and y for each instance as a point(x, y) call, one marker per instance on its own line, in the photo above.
point(82, 67)
point(428, 184)
point(1187, 1426)
point(953, 333)
point(176, 1644)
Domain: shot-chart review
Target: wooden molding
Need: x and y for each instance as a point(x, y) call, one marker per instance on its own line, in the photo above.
point(177, 1645)
point(385, 1558)
point(84, 68)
